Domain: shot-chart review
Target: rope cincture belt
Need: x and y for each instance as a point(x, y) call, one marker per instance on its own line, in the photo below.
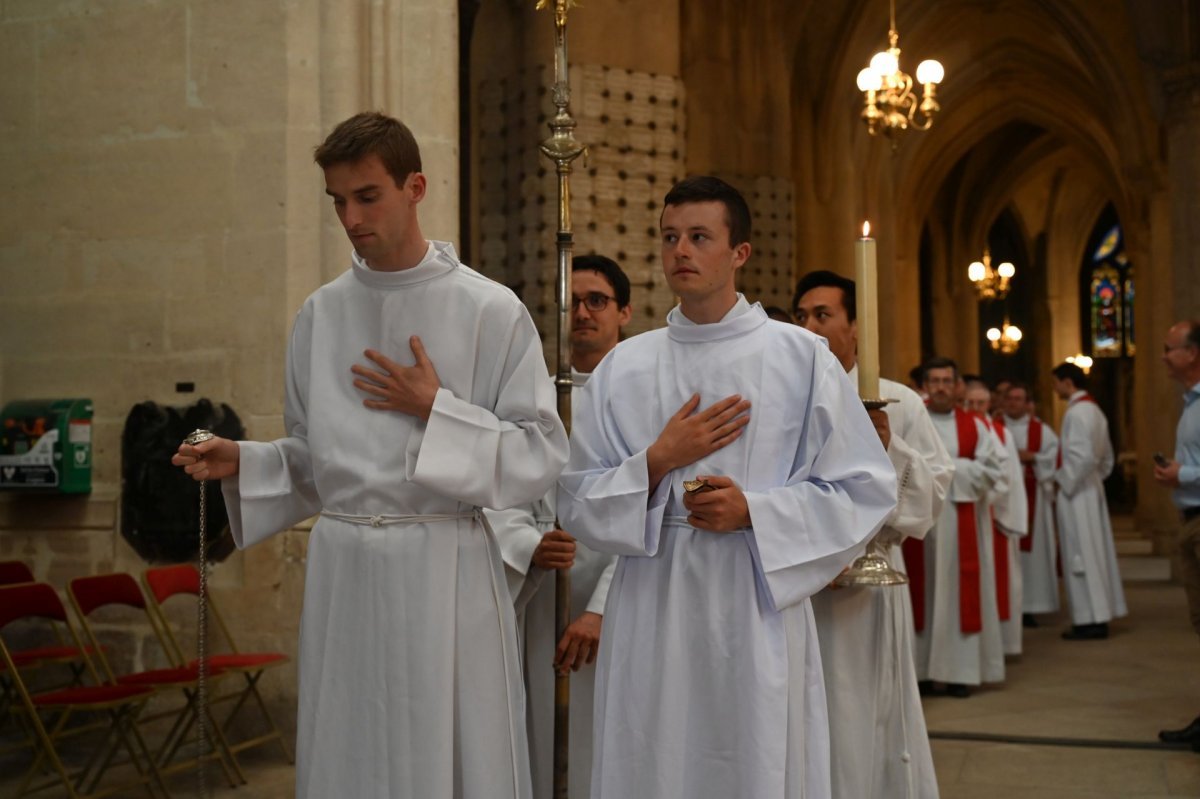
point(384, 520)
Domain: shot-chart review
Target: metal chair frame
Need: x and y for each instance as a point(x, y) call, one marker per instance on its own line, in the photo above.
point(164, 582)
point(121, 705)
point(89, 594)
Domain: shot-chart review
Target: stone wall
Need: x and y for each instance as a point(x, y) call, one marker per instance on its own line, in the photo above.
point(163, 222)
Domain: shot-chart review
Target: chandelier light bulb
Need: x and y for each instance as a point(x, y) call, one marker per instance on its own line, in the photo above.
point(1014, 332)
point(930, 71)
point(975, 271)
point(884, 63)
point(869, 80)
point(1006, 270)
point(993, 334)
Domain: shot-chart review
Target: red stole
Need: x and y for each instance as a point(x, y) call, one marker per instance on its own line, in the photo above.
point(969, 610)
point(1000, 551)
point(1031, 485)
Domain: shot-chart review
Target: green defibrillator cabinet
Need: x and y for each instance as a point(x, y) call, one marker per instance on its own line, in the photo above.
point(46, 445)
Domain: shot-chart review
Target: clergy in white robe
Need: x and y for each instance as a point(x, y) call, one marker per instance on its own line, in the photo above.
point(1094, 592)
point(519, 531)
point(949, 579)
point(879, 746)
point(1010, 521)
point(1038, 447)
point(409, 674)
point(710, 678)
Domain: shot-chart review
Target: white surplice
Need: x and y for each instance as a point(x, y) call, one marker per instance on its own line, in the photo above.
point(518, 532)
point(1010, 512)
point(410, 680)
point(943, 651)
point(1039, 576)
point(879, 745)
point(709, 683)
point(1094, 591)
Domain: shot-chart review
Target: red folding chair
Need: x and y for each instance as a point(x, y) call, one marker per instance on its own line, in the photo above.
point(91, 594)
point(49, 713)
point(13, 572)
point(165, 582)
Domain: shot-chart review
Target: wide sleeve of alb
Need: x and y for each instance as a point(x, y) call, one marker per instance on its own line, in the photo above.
point(604, 496)
point(1079, 457)
point(923, 468)
point(274, 489)
point(841, 489)
point(501, 456)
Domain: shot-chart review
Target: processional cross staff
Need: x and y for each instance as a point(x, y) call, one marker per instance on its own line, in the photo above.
point(562, 148)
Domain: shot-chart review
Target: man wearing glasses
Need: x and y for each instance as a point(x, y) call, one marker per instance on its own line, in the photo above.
point(1181, 356)
point(532, 547)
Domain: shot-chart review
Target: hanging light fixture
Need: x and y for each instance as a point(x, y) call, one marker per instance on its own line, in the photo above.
point(891, 105)
point(1084, 362)
point(992, 284)
point(1005, 340)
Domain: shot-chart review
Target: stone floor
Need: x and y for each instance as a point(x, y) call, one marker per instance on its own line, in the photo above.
point(1118, 692)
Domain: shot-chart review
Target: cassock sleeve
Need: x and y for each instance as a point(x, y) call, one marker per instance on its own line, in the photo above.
point(518, 535)
point(975, 477)
point(604, 494)
point(1044, 463)
point(923, 469)
point(502, 456)
point(1079, 456)
point(1012, 511)
point(841, 489)
point(274, 488)
point(600, 592)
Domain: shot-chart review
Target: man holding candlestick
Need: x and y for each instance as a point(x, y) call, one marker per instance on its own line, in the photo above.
point(729, 463)
point(878, 743)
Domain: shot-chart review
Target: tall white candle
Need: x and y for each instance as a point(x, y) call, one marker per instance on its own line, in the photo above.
point(867, 300)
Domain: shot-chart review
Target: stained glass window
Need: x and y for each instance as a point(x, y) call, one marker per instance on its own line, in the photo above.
point(1110, 291)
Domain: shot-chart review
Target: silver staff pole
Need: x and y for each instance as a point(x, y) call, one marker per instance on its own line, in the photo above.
point(562, 148)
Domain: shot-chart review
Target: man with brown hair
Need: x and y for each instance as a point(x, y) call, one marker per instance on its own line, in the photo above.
point(412, 382)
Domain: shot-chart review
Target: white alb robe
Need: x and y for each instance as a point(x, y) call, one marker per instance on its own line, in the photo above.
point(410, 680)
point(518, 532)
point(1039, 575)
point(709, 683)
point(1094, 591)
point(879, 746)
point(1010, 512)
point(943, 651)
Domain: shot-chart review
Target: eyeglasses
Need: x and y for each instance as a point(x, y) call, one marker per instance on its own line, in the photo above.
point(593, 301)
point(1168, 347)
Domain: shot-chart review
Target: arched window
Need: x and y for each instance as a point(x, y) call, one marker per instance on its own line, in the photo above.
point(1110, 291)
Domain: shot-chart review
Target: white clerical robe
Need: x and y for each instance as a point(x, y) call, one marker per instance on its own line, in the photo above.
point(709, 683)
point(879, 746)
point(1039, 577)
point(943, 651)
point(410, 681)
point(518, 532)
point(1010, 514)
point(1094, 590)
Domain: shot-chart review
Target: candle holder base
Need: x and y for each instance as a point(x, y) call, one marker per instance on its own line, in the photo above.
point(871, 569)
point(876, 404)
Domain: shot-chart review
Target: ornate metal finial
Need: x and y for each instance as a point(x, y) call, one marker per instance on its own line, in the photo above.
point(560, 10)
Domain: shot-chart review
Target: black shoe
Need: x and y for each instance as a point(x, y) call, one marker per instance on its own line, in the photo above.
point(1188, 735)
point(927, 688)
point(1027, 620)
point(1086, 632)
point(1196, 746)
point(957, 690)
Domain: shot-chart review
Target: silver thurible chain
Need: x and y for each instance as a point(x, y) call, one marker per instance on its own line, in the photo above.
point(202, 633)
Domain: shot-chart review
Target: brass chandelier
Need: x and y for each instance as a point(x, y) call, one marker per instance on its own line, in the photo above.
point(1005, 340)
point(891, 105)
point(991, 284)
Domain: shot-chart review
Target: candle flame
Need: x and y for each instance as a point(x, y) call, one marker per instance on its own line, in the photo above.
point(866, 229)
